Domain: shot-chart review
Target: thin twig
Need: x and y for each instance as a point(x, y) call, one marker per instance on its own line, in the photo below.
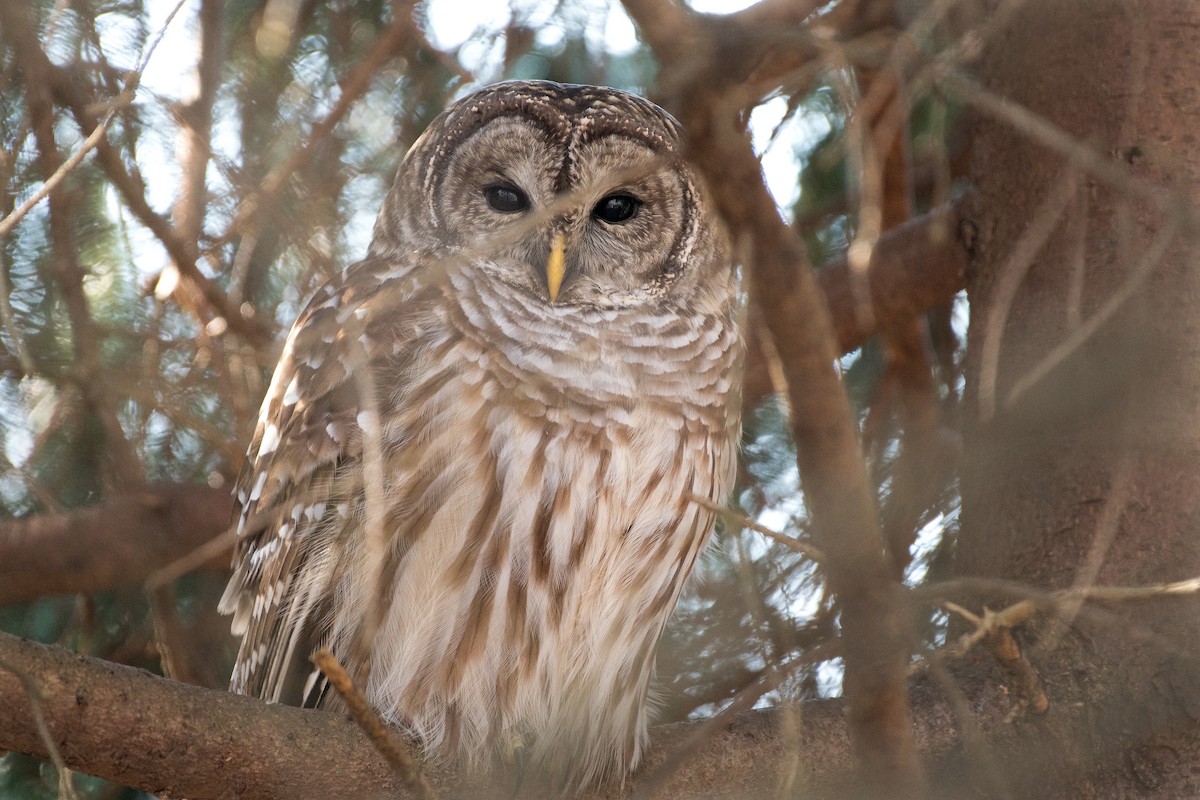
point(34, 693)
point(370, 421)
point(9, 222)
point(1076, 339)
point(969, 616)
point(1124, 594)
point(1044, 222)
point(793, 544)
point(1058, 602)
point(117, 104)
point(1021, 674)
point(181, 566)
point(367, 719)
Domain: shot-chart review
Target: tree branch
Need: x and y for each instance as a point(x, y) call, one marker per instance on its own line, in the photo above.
point(105, 547)
point(161, 736)
point(915, 268)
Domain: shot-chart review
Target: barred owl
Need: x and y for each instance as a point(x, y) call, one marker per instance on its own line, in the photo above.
point(470, 474)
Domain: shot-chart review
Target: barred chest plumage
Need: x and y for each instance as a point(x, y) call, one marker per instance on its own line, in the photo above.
point(537, 512)
point(471, 473)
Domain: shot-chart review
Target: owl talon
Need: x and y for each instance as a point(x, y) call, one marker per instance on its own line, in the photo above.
point(516, 755)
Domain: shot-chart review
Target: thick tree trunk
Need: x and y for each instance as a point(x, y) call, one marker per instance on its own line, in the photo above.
point(1090, 473)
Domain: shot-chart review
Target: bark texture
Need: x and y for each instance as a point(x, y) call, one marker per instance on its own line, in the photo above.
point(1088, 472)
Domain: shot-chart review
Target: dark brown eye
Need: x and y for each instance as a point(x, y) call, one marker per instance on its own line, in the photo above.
point(616, 208)
point(506, 199)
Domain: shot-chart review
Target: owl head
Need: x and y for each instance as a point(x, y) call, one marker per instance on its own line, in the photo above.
point(574, 195)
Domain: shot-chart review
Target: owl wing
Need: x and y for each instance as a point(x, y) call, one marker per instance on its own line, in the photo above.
point(298, 488)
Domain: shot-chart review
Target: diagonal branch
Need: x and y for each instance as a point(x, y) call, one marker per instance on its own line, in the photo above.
point(98, 132)
point(395, 39)
point(133, 193)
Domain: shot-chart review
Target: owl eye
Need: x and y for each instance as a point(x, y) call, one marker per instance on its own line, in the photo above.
point(505, 198)
point(616, 208)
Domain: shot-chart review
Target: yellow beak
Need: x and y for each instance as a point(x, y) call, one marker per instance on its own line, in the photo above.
point(555, 266)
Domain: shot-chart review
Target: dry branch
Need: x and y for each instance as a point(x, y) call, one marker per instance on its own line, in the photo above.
point(115, 106)
point(790, 542)
point(10, 221)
